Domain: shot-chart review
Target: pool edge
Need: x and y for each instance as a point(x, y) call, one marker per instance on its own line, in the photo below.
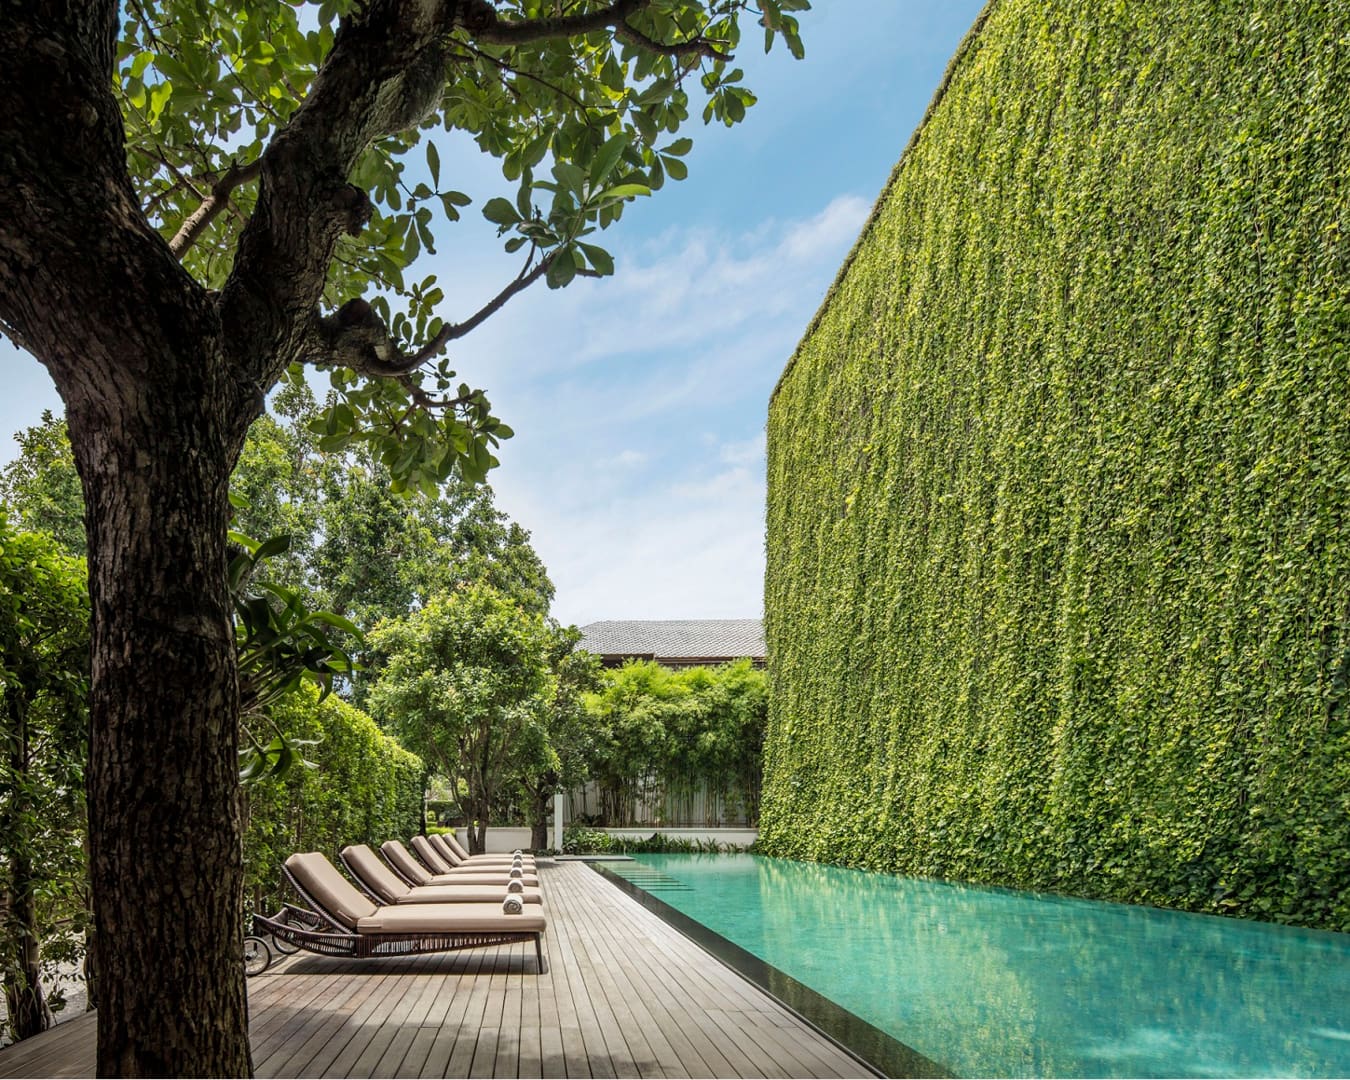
point(867, 1044)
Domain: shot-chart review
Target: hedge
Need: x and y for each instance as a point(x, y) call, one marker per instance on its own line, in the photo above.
point(365, 789)
point(1058, 585)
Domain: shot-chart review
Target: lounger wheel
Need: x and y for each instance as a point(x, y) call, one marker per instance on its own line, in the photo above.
point(283, 946)
point(257, 956)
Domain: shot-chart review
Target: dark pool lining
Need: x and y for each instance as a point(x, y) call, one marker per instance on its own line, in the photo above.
point(867, 1044)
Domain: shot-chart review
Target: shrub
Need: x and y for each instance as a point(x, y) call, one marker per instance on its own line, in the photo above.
point(365, 788)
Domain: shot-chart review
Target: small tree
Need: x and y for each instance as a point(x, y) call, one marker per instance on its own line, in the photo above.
point(460, 686)
point(662, 735)
point(44, 663)
point(561, 760)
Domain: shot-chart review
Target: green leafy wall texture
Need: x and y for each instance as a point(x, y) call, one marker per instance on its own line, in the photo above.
point(365, 788)
point(1058, 588)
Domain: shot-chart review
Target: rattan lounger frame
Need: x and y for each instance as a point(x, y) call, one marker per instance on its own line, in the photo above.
point(295, 926)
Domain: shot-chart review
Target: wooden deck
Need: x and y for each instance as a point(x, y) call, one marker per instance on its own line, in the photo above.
point(624, 995)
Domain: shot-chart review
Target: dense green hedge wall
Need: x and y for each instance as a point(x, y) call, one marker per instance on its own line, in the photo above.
point(1058, 588)
point(365, 789)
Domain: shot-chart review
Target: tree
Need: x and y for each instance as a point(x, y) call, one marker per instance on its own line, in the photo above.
point(44, 678)
point(565, 746)
point(41, 486)
point(197, 196)
point(659, 734)
point(461, 685)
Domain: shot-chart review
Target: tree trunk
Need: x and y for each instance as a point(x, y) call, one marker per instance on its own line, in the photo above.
point(165, 823)
point(541, 805)
point(25, 998)
point(478, 829)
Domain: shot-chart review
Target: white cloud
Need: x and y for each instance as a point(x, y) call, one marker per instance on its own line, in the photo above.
point(640, 405)
point(746, 452)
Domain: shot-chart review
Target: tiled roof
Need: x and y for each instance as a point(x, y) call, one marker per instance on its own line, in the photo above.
point(728, 639)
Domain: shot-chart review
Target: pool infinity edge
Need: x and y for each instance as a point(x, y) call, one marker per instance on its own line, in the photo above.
point(867, 1044)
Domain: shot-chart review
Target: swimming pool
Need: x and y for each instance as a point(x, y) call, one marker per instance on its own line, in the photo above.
point(993, 982)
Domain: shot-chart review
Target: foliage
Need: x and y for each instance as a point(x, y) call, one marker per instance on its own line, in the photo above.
point(362, 788)
point(41, 487)
point(584, 840)
point(582, 126)
point(44, 674)
point(351, 547)
point(1060, 474)
point(460, 683)
point(560, 757)
point(662, 735)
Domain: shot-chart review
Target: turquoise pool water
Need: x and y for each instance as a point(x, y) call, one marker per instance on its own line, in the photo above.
point(991, 982)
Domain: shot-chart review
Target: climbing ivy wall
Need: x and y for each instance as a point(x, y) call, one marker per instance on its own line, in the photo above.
point(1058, 588)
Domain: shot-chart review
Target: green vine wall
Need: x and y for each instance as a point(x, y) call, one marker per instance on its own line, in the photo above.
point(1058, 588)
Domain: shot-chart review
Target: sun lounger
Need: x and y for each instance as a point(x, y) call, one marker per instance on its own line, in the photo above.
point(354, 925)
point(451, 854)
point(402, 863)
point(462, 853)
point(382, 885)
point(431, 858)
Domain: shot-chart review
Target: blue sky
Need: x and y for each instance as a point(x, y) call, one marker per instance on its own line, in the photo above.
point(639, 401)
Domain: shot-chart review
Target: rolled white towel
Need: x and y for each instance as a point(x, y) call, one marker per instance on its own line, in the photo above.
point(515, 885)
point(516, 871)
point(513, 905)
point(517, 853)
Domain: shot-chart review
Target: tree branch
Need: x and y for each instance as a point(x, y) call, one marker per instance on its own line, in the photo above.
point(213, 204)
point(383, 74)
point(453, 331)
point(480, 18)
point(357, 338)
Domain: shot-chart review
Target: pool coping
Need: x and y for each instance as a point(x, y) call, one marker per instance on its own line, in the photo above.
point(879, 1053)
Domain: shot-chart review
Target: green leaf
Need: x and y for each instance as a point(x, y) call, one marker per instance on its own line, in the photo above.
point(499, 211)
point(561, 270)
point(599, 258)
point(434, 163)
point(570, 176)
point(625, 191)
point(607, 157)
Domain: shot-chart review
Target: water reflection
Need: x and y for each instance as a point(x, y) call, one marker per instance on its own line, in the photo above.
point(992, 982)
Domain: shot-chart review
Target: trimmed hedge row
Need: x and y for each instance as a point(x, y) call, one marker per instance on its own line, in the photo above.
point(1058, 588)
point(366, 789)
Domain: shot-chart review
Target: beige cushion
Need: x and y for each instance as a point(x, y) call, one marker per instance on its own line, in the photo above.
point(426, 851)
point(373, 874)
point(451, 919)
point(484, 877)
point(330, 890)
point(401, 860)
point(466, 894)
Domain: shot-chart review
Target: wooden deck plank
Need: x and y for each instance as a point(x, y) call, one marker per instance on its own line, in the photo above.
point(622, 994)
point(437, 1062)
